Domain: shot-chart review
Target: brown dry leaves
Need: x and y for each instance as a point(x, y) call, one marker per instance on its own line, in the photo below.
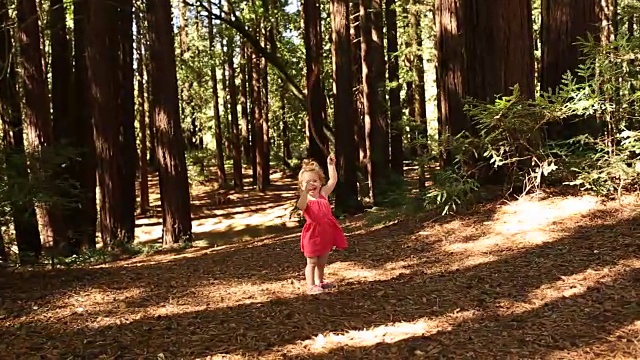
point(557, 278)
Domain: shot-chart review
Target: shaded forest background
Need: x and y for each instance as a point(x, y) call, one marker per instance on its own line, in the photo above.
point(460, 98)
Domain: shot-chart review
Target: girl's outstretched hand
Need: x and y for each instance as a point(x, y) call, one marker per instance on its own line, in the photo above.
point(331, 160)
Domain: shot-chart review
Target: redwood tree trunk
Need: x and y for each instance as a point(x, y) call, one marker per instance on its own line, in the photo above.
point(104, 70)
point(244, 104)
point(345, 116)
point(258, 123)
point(37, 111)
point(87, 212)
point(318, 143)
point(233, 110)
point(174, 185)
point(23, 212)
point(395, 108)
point(142, 117)
point(376, 125)
point(450, 75)
point(127, 116)
point(222, 174)
point(356, 62)
point(63, 129)
point(563, 22)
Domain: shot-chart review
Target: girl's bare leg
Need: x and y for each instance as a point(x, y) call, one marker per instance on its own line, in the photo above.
point(309, 271)
point(319, 270)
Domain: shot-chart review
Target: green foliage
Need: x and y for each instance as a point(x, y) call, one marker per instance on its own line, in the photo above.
point(450, 191)
point(201, 165)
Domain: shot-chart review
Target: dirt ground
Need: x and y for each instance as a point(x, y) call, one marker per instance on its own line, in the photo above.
point(538, 278)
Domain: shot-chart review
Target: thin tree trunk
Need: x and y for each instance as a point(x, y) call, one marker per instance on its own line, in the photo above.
point(233, 110)
point(221, 172)
point(142, 118)
point(251, 81)
point(174, 184)
point(37, 111)
point(420, 101)
point(395, 108)
point(356, 61)
point(23, 212)
point(244, 104)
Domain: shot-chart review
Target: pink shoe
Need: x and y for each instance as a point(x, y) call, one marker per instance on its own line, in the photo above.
point(315, 289)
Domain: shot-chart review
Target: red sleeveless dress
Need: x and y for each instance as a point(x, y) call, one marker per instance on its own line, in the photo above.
point(321, 232)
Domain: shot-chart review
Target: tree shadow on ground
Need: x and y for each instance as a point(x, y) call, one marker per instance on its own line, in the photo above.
point(259, 328)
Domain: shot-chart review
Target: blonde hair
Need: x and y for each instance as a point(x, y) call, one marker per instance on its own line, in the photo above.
point(310, 166)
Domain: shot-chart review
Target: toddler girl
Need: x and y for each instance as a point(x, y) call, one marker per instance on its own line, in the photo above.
point(321, 232)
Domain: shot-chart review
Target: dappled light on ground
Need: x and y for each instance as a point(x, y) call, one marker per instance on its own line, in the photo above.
point(390, 333)
point(554, 278)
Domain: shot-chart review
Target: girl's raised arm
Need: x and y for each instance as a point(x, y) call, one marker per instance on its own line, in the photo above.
point(333, 176)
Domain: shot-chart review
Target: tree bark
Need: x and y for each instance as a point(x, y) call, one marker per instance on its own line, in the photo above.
point(244, 104)
point(221, 172)
point(376, 125)
point(142, 116)
point(450, 75)
point(174, 184)
point(62, 123)
point(233, 110)
point(127, 116)
point(395, 108)
point(104, 76)
point(23, 212)
point(345, 116)
point(87, 214)
point(317, 142)
point(37, 111)
point(356, 61)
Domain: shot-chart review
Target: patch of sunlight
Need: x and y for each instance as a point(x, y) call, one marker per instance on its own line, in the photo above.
point(390, 333)
point(528, 222)
point(568, 286)
point(353, 272)
point(80, 303)
point(527, 213)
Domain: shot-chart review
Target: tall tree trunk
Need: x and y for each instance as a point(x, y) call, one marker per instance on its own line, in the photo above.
point(563, 23)
point(233, 112)
point(142, 117)
point(268, 41)
point(87, 214)
point(395, 108)
point(253, 83)
point(244, 103)
point(23, 213)
point(37, 112)
point(345, 115)
point(127, 116)
point(318, 144)
point(222, 174)
point(286, 138)
point(104, 76)
point(450, 75)
point(419, 94)
point(356, 62)
point(174, 184)
point(376, 126)
point(63, 129)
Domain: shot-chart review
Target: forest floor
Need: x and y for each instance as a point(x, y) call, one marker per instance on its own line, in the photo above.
point(554, 277)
